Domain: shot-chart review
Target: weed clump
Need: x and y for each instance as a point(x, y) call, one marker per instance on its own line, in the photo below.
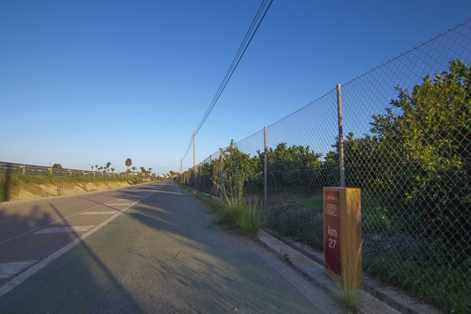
point(243, 213)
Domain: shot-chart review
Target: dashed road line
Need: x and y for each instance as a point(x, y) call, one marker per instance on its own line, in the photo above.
point(40, 265)
point(9, 269)
point(65, 229)
point(99, 213)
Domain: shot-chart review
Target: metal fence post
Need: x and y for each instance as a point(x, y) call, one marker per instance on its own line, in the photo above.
point(265, 193)
point(341, 156)
point(221, 173)
point(236, 186)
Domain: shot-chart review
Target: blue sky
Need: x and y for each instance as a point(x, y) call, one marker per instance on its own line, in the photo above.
point(87, 82)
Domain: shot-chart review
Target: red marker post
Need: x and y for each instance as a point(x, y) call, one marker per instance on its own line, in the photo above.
point(342, 235)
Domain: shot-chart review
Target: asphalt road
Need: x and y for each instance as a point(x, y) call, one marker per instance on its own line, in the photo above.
point(148, 248)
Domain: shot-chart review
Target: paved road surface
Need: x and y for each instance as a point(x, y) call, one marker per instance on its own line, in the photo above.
point(148, 248)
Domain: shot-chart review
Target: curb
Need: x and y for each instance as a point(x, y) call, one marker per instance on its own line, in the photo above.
point(375, 296)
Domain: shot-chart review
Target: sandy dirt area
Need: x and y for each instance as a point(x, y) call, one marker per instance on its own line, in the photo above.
point(26, 191)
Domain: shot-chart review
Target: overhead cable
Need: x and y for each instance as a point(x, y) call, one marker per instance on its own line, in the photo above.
point(240, 53)
point(262, 11)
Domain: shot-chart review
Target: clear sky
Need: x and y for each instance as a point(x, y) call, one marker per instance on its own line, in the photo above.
point(87, 82)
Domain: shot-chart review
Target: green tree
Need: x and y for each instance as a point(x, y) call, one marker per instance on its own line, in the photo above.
point(433, 135)
point(128, 163)
point(57, 166)
point(133, 169)
point(293, 167)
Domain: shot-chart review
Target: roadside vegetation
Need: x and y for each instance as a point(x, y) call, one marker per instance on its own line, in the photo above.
point(414, 170)
point(9, 181)
point(240, 213)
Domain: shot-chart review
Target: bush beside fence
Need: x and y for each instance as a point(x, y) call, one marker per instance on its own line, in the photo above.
point(407, 145)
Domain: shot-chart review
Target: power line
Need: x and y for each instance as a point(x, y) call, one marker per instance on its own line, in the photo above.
point(262, 11)
point(235, 62)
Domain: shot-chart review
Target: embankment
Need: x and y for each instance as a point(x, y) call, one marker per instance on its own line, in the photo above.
point(16, 188)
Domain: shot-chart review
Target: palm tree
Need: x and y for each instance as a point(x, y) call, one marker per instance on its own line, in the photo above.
point(96, 167)
point(133, 169)
point(128, 163)
point(108, 164)
point(92, 168)
point(112, 170)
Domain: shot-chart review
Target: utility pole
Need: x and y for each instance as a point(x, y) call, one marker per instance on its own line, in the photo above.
point(340, 124)
point(265, 162)
point(194, 150)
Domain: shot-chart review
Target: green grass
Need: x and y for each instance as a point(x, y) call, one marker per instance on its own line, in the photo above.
point(315, 203)
point(428, 271)
point(250, 219)
point(301, 219)
point(348, 287)
point(377, 217)
point(347, 297)
point(447, 287)
point(240, 214)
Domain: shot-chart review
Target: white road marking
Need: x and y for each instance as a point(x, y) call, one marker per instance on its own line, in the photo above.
point(99, 213)
point(9, 269)
point(33, 269)
point(118, 204)
point(65, 229)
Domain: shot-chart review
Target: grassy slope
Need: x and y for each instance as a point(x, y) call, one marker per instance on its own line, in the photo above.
point(12, 185)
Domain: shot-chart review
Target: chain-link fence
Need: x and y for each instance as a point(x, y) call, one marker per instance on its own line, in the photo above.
point(404, 138)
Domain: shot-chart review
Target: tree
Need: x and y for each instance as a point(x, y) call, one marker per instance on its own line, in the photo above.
point(433, 137)
point(57, 166)
point(112, 170)
point(128, 163)
point(133, 169)
point(92, 168)
point(143, 170)
point(108, 164)
point(96, 167)
point(293, 166)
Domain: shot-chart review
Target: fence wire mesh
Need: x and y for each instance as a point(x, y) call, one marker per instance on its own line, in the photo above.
point(406, 144)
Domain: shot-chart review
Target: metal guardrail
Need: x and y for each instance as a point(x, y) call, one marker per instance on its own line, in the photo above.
point(8, 167)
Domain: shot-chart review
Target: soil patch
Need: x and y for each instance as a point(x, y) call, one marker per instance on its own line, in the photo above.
point(27, 191)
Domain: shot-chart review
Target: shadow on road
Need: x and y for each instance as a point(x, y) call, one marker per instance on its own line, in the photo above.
point(78, 281)
point(161, 255)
